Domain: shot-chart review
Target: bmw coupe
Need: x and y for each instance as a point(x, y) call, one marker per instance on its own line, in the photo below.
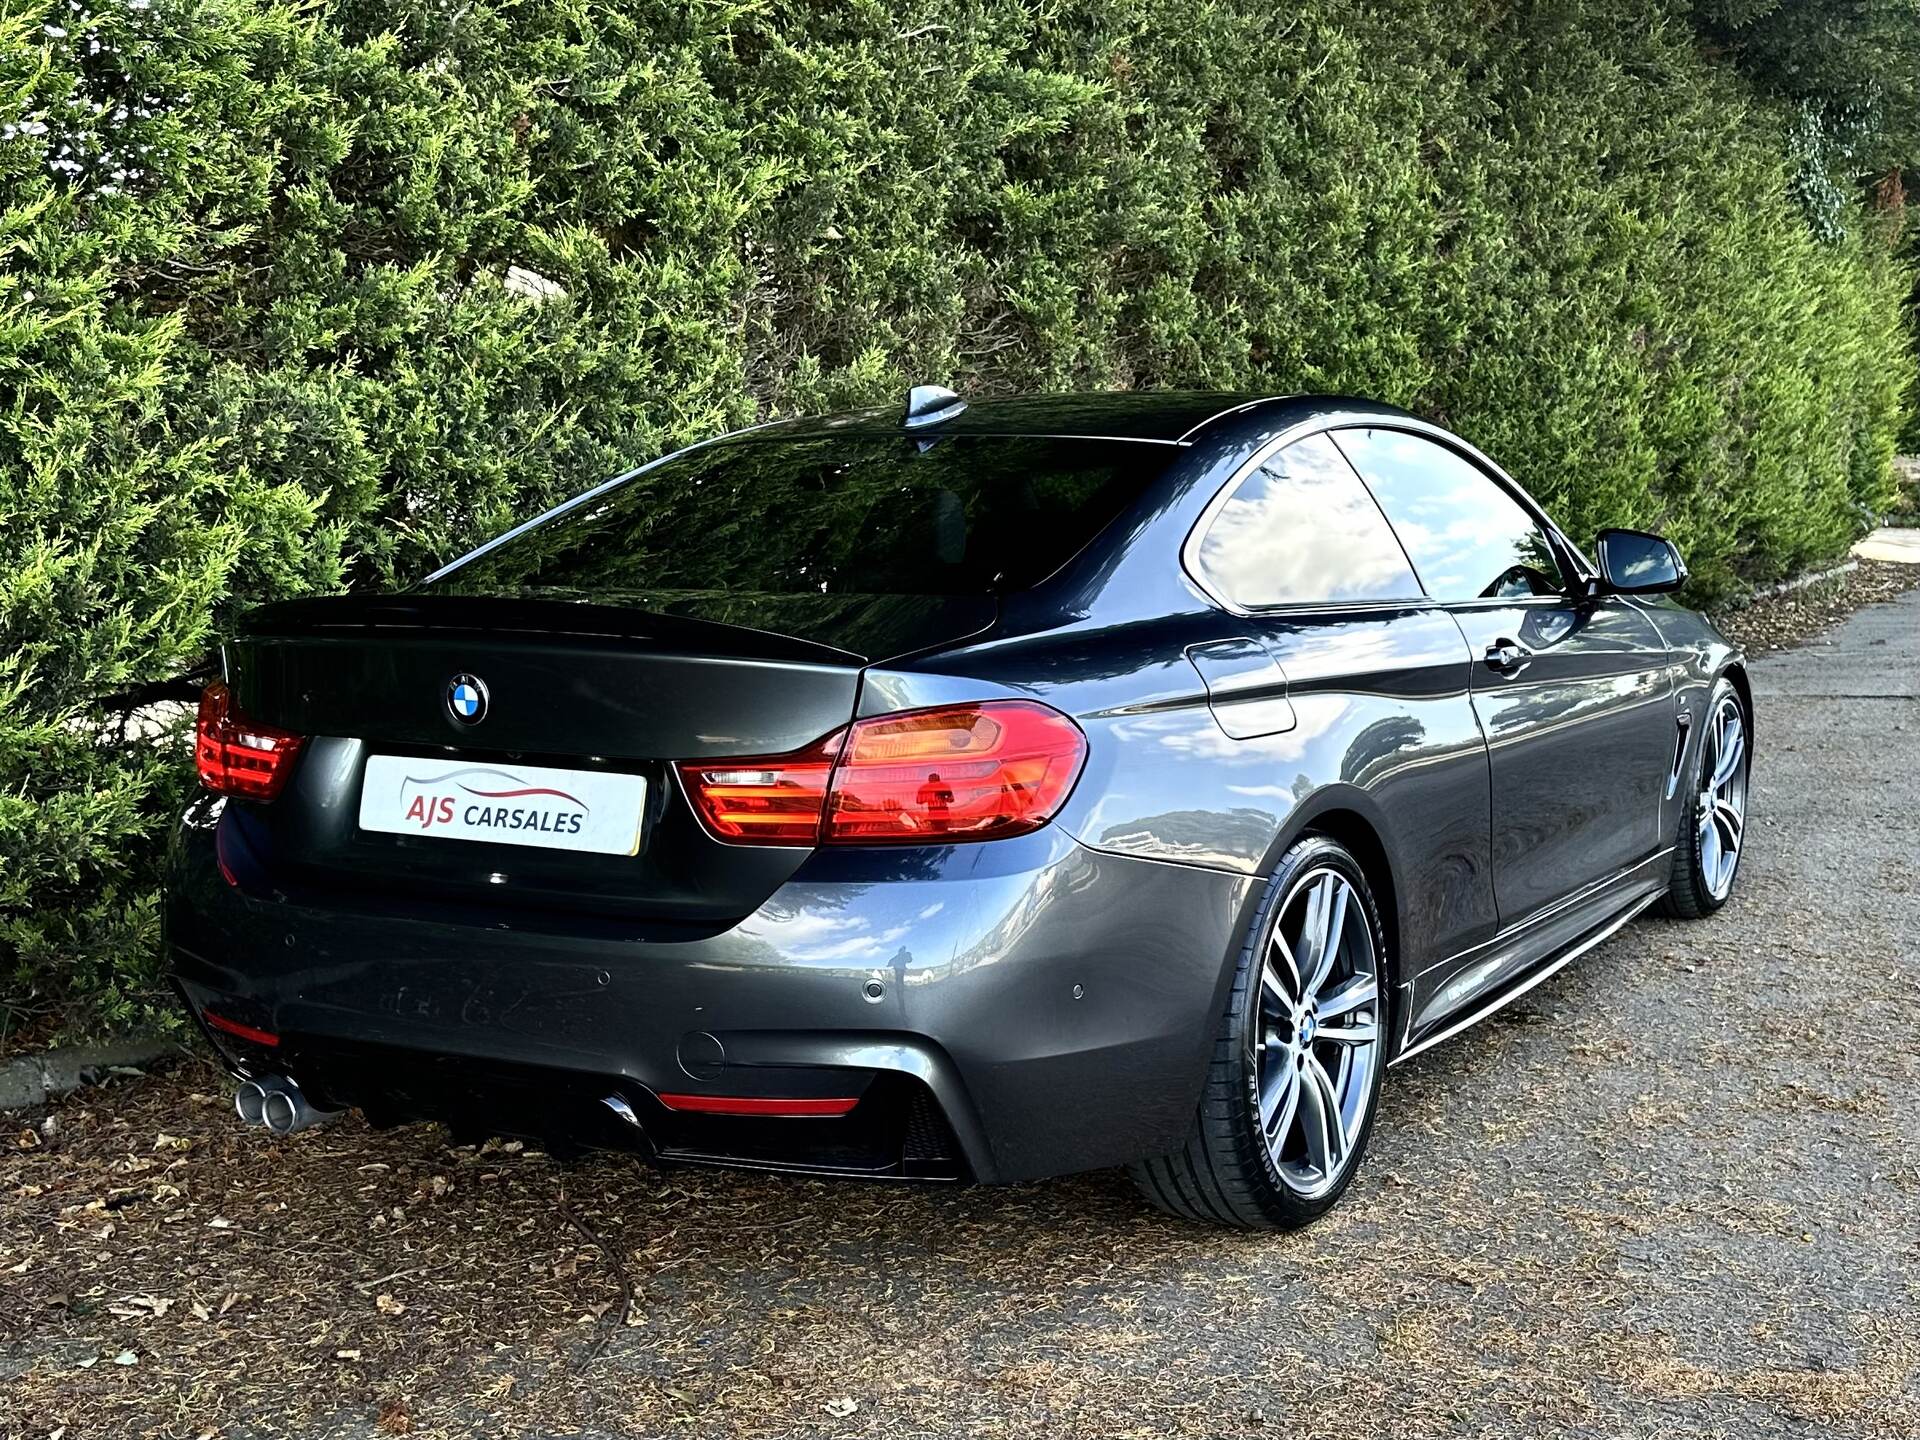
point(986, 791)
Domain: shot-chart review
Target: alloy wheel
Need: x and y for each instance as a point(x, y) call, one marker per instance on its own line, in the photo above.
point(1722, 809)
point(1317, 1035)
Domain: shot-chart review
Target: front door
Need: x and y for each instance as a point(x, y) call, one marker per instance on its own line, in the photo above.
point(1578, 712)
point(1573, 695)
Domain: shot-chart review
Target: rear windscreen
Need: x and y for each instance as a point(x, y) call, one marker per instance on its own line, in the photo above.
point(956, 515)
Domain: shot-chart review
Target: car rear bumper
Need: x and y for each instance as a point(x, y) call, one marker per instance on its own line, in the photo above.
point(1047, 1007)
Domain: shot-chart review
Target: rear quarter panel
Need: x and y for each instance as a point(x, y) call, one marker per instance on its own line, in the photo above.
point(1384, 731)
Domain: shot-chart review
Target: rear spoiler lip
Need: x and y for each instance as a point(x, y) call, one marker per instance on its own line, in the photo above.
point(321, 617)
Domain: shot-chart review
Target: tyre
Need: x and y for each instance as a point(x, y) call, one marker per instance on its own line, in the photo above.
point(1294, 1076)
point(1713, 822)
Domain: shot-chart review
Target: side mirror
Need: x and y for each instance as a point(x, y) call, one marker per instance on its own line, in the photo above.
point(1633, 562)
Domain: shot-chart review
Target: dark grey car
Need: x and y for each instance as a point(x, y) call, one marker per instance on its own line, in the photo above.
point(990, 792)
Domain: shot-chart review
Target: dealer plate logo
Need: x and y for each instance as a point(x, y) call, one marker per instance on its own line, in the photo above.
point(600, 811)
point(467, 699)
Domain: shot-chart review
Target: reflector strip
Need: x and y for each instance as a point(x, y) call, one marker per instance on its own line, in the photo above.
point(756, 1105)
point(234, 1027)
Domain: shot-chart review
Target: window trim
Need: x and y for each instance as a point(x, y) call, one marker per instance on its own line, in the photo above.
point(1571, 575)
point(1196, 539)
point(1573, 562)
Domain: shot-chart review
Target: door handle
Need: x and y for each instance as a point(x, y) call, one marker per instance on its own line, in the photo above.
point(1507, 658)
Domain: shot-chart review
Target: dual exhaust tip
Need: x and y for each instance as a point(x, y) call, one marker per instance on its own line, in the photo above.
point(277, 1103)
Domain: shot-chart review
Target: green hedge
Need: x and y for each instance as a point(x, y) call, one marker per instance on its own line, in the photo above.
point(256, 335)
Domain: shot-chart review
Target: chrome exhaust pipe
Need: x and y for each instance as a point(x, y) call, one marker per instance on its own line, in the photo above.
point(277, 1103)
point(287, 1110)
point(618, 1105)
point(250, 1102)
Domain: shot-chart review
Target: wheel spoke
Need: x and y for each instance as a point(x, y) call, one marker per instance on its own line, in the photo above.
point(1325, 1136)
point(1336, 933)
point(1709, 845)
point(1358, 1032)
point(1360, 990)
point(1278, 980)
point(1732, 750)
point(1273, 992)
point(1313, 931)
point(1329, 919)
point(1728, 819)
point(1279, 1102)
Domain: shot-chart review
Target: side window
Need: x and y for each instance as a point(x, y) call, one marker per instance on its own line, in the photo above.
point(1302, 529)
point(1468, 538)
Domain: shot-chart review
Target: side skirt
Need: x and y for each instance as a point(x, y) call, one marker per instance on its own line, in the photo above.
point(1528, 979)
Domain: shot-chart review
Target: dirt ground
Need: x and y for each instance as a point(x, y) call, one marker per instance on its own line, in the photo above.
point(1673, 1191)
point(1780, 621)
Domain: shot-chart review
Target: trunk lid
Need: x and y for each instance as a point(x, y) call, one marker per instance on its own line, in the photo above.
point(570, 686)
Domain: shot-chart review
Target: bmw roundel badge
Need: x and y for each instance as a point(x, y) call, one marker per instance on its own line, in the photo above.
point(467, 699)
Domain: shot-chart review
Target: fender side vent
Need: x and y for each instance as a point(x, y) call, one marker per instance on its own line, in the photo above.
point(1683, 723)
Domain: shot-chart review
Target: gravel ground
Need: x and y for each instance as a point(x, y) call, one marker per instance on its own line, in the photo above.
point(1673, 1191)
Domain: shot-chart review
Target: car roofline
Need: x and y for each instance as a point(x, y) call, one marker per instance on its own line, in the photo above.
point(756, 437)
point(879, 424)
point(978, 420)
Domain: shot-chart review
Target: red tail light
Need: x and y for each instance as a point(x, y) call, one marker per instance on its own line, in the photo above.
point(961, 772)
point(771, 800)
point(238, 756)
point(969, 772)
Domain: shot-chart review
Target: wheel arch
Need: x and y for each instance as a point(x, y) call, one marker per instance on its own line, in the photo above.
point(1736, 673)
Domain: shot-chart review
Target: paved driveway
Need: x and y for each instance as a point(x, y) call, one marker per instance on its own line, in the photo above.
point(1675, 1190)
